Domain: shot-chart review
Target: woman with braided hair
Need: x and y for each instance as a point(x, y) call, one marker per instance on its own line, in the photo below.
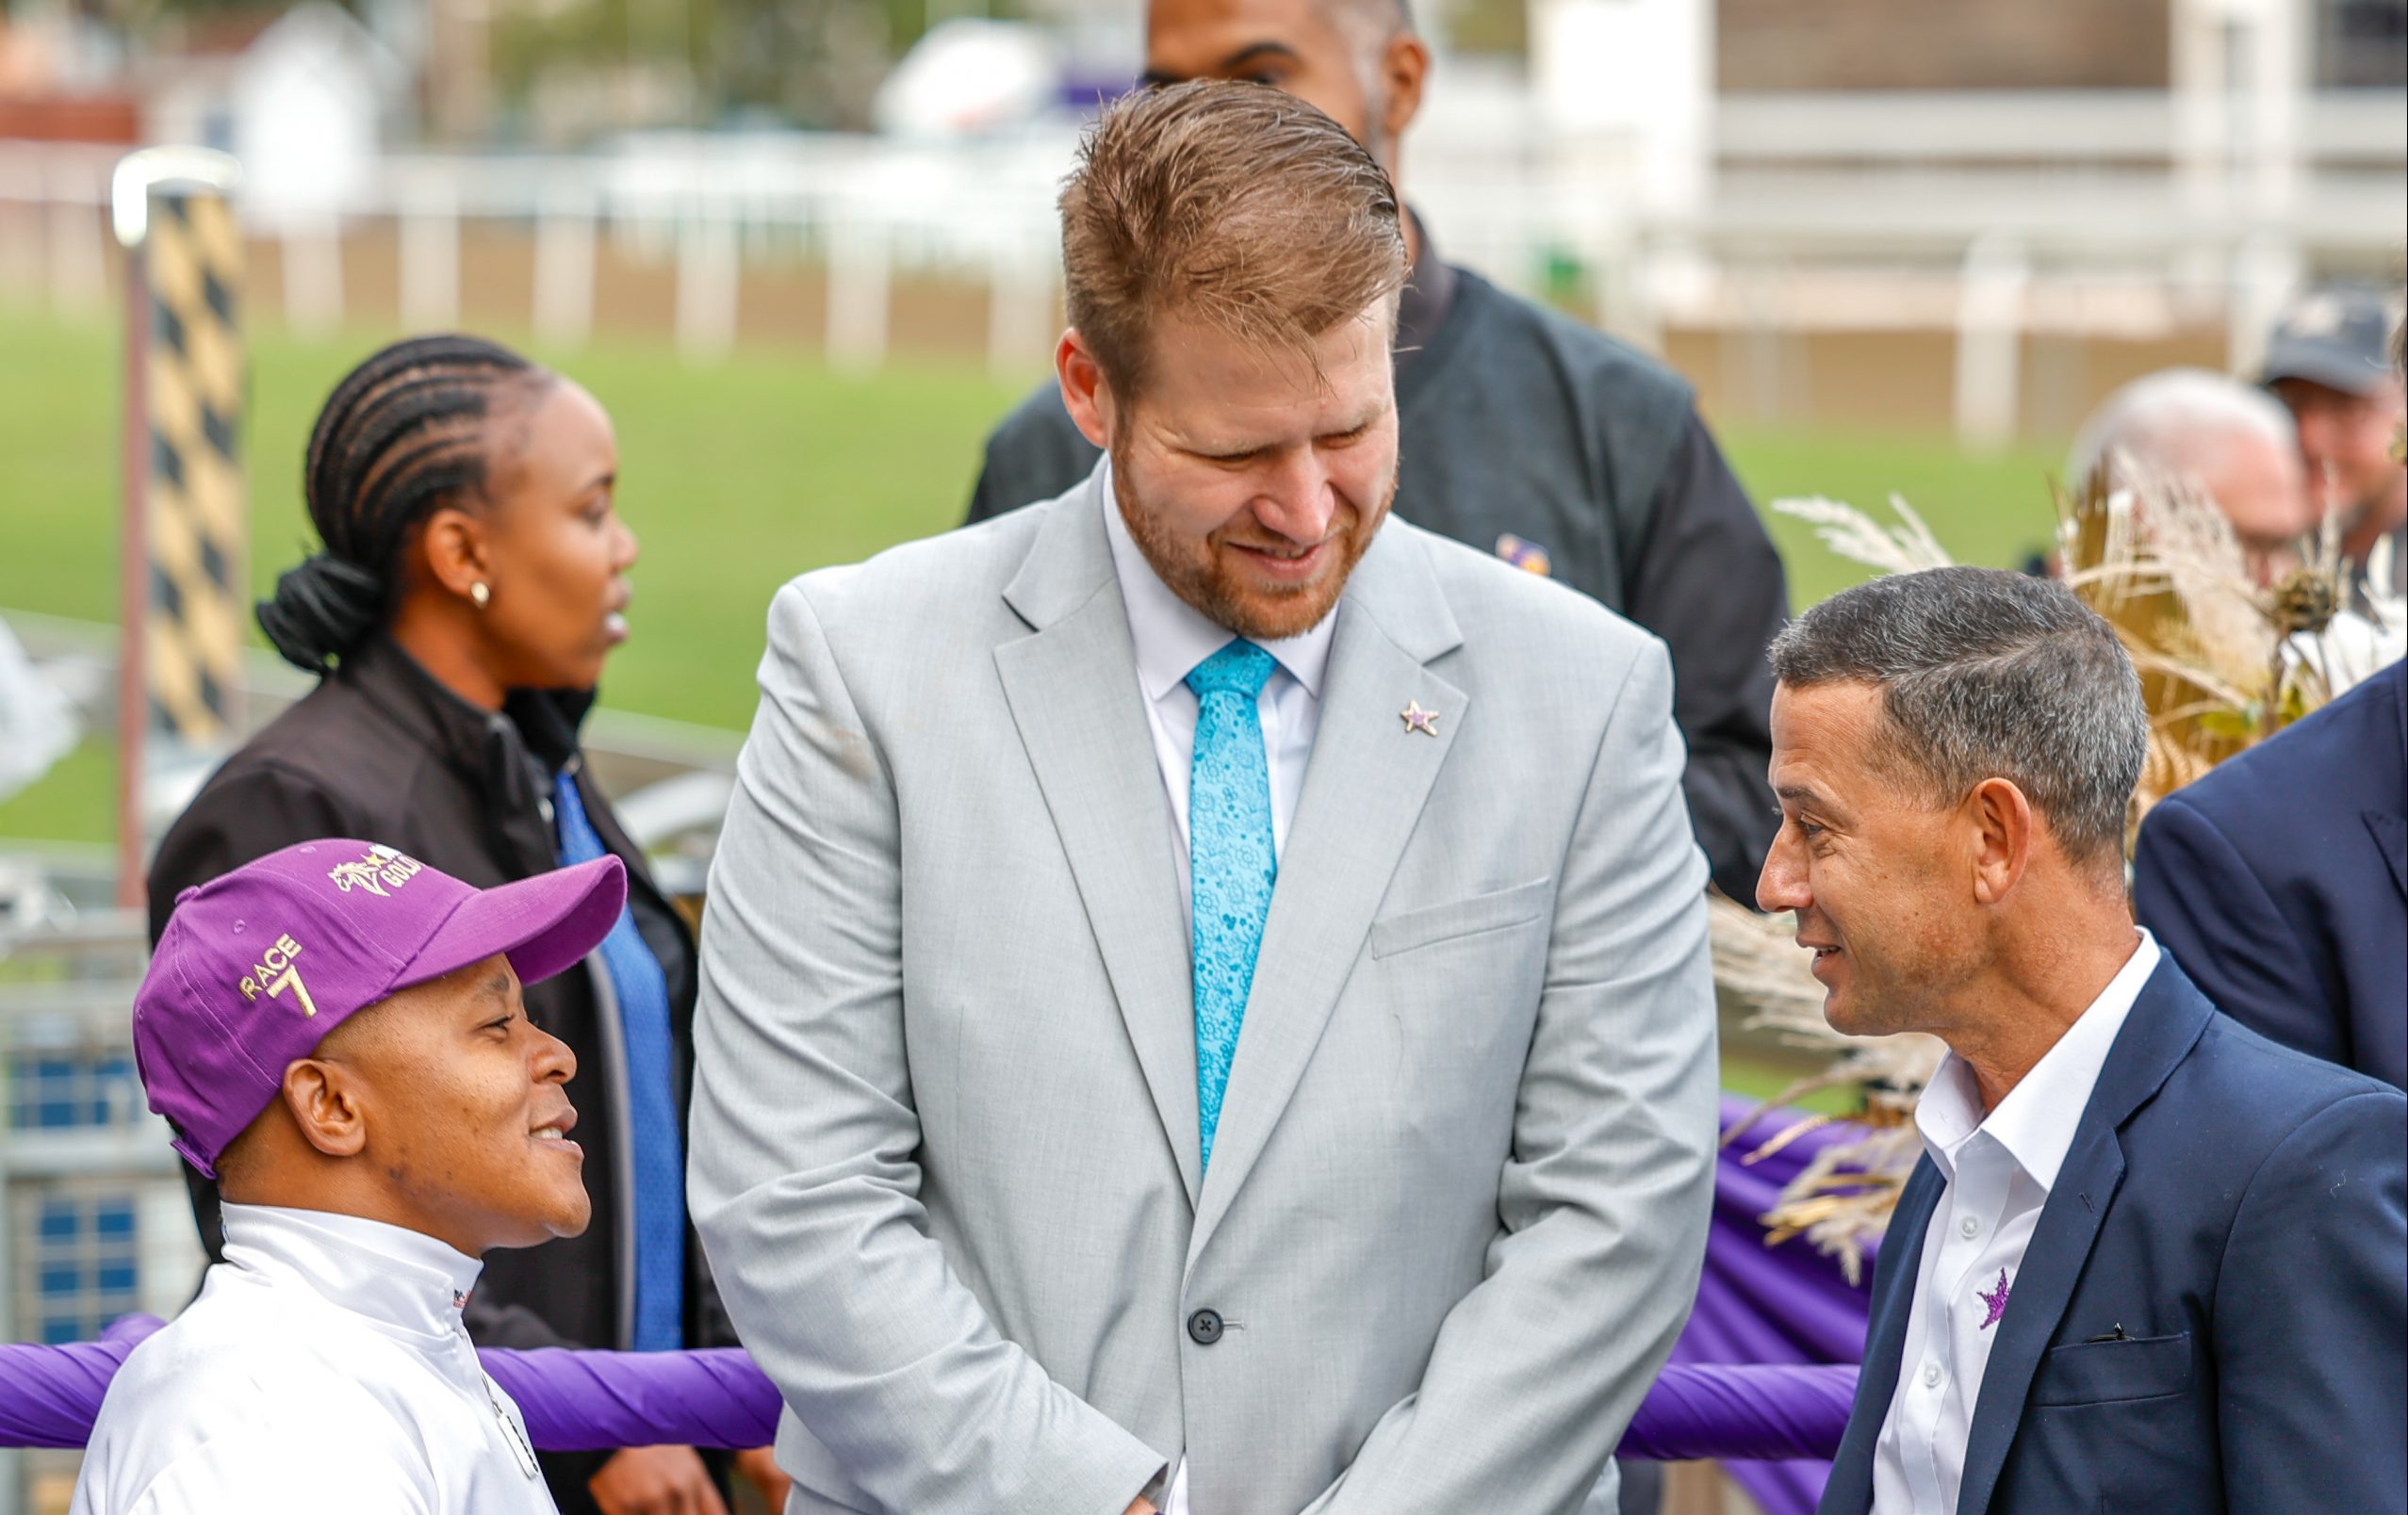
point(472, 584)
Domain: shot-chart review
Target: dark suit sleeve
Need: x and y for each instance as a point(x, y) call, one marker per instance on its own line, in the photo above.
point(2207, 906)
point(2311, 1309)
point(1708, 580)
point(1036, 453)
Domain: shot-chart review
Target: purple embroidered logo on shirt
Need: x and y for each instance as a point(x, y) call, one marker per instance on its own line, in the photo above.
point(1996, 1302)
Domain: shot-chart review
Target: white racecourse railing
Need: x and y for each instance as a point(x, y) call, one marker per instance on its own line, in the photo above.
point(1988, 215)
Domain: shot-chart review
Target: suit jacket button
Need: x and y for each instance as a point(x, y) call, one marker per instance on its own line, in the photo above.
point(1204, 1326)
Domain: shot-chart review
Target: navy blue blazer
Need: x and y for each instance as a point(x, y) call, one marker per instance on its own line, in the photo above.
point(2280, 881)
point(2213, 1311)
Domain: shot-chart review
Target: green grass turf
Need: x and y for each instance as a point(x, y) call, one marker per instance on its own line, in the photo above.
point(1993, 512)
point(77, 800)
point(737, 476)
point(1758, 1078)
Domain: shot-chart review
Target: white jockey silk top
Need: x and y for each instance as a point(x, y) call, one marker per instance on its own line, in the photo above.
point(324, 1367)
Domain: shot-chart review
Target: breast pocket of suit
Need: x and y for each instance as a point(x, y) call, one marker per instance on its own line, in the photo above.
point(1442, 1007)
point(1481, 914)
point(2115, 1427)
point(2106, 1372)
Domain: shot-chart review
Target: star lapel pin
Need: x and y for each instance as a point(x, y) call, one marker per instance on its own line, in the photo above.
point(1417, 719)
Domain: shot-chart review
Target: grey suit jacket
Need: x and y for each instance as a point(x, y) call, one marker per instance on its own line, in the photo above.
point(945, 1143)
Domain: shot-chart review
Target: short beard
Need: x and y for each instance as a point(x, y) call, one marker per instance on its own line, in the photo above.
point(1257, 617)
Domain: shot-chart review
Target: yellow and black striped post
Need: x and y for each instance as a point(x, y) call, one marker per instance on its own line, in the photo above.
point(196, 510)
point(185, 583)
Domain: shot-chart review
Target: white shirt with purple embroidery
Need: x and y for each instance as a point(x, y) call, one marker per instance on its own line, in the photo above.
point(324, 1367)
point(1999, 1168)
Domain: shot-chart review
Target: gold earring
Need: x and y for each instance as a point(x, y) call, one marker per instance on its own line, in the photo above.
point(479, 595)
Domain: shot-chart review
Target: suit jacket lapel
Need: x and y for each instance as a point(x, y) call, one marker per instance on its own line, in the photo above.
point(2165, 1023)
point(1850, 1485)
point(1074, 697)
point(2391, 839)
point(1363, 795)
point(2053, 1263)
point(2389, 827)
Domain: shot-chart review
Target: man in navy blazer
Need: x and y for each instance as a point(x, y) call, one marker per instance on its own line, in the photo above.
point(2150, 1260)
point(2280, 881)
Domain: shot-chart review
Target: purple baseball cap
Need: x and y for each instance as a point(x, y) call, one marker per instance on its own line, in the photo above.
point(257, 966)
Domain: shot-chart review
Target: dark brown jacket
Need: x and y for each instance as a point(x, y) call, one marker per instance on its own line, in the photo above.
point(382, 752)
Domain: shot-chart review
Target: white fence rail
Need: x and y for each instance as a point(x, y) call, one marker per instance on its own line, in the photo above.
point(1987, 215)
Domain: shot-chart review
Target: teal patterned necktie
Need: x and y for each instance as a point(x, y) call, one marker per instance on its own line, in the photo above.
point(1231, 865)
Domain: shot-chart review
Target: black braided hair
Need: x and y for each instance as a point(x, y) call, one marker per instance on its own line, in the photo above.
point(404, 433)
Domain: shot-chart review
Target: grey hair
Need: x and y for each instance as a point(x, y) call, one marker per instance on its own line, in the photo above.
point(1987, 674)
point(1368, 27)
point(1369, 23)
point(2178, 423)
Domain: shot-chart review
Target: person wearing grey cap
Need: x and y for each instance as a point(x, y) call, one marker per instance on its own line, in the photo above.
point(2327, 361)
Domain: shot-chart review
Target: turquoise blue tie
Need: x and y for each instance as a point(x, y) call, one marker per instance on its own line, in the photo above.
point(1231, 864)
point(653, 1136)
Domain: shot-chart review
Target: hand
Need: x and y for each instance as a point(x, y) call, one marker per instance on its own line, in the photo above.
point(760, 1468)
point(656, 1480)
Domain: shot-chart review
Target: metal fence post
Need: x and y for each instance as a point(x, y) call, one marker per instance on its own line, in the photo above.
point(858, 290)
point(564, 295)
point(430, 251)
point(710, 276)
point(1989, 336)
point(1019, 306)
point(184, 577)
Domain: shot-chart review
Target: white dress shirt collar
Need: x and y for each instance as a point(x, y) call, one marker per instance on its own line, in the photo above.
point(2035, 1123)
point(404, 1282)
point(1172, 636)
point(2000, 1167)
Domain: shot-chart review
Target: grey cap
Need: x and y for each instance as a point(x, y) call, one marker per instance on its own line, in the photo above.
point(2334, 335)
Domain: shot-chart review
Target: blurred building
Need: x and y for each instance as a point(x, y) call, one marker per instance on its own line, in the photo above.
point(307, 99)
point(1901, 45)
point(970, 77)
point(61, 78)
point(2036, 44)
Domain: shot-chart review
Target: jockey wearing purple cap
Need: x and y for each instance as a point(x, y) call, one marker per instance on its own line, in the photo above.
point(335, 1031)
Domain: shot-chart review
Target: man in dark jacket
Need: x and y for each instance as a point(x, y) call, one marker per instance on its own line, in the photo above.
point(2280, 881)
point(2149, 1259)
point(1524, 432)
point(380, 749)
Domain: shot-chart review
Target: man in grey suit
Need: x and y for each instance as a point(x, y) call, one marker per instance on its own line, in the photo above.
point(1529, 434)
point(1205, 999)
